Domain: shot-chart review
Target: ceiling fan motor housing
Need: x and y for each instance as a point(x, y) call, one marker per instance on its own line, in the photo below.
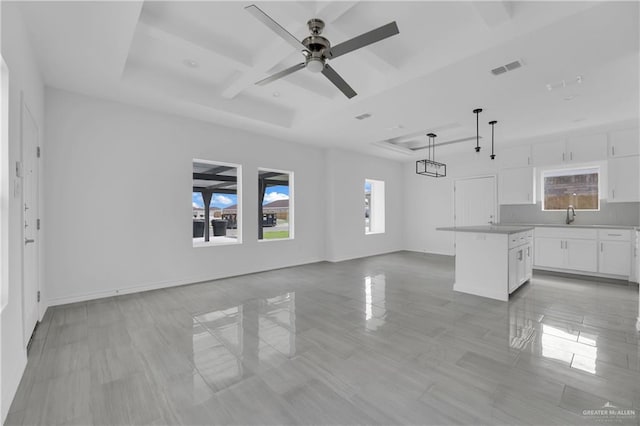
point(316, 45)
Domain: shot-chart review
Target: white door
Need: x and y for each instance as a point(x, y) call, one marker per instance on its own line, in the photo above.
point(30, 194)
point(475, 201)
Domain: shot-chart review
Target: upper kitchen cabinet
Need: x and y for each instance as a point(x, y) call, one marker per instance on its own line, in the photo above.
point(515, 156)
point(548, 153)
point(517, 186)
point(624, 179)
point(586, 148)
point(576, 149)
point(624, 142)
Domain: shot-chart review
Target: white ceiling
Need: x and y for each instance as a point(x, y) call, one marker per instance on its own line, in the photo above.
point(428, 78)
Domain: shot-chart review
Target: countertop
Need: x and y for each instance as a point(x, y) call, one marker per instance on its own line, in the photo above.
point(573, 225)
point(490, 229)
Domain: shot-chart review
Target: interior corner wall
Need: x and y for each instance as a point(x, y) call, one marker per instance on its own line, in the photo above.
point(345, 229)
point(25, 83)
point(118, 185)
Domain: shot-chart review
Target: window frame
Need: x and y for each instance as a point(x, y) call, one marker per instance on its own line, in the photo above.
point(239, 235)
point(291, 218)
point(377, 206)
point(576, 171)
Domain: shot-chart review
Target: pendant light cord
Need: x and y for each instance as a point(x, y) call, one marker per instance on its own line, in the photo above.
point(477, 112)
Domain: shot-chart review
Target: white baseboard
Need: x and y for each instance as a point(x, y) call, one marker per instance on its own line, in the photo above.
point(151, 286)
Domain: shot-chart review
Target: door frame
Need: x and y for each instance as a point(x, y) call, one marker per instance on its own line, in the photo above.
point(24, 110)
point(495, 193)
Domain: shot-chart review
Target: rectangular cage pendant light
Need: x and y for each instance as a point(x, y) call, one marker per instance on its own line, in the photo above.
point(428, 166)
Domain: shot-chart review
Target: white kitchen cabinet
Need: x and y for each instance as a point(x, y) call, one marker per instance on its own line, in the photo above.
point(615, 252)
point(571, 249)
point(582, 255)
point(515, 156)
point(624, 179)
point(517, 186)
point(548, 153)
point(592, 147)
point(624, 142)
point(615, 258)
point(549, 252)
point(575, 150)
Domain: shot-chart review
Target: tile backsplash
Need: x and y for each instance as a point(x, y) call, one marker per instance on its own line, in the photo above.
point(623, 214)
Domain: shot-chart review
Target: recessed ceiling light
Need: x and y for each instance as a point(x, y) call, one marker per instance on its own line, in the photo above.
point(396, 127)
point(569, 98)
point(577, 120)
point(276, 94)
point(190, 63)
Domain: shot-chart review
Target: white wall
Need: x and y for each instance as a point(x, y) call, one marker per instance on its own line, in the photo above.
point(429, 201)
point(345, 176)
point(24, 81)
point(117, 161)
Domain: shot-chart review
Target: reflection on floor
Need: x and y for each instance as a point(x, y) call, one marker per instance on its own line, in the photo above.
point(381, 340)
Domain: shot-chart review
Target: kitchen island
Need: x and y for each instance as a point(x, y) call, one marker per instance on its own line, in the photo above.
point(492, 261)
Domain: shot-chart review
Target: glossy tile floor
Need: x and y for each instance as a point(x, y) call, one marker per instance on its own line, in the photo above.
point(381, 340)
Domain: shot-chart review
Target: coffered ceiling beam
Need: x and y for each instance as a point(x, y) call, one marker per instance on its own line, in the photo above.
point(493, 12)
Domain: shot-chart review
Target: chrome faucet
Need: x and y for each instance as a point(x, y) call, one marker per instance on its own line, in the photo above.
point(573, 217)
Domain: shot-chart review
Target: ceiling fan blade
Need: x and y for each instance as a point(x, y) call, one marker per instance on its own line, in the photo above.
point(274, 26)
point(362, 40)
point(281, 74)
point(335, 78)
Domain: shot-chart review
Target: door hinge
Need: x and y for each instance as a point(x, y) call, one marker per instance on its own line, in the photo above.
point(38, 224)
point(38, 152)
point(38, 296)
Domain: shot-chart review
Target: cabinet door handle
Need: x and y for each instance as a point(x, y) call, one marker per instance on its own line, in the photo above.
point(571, 156)
point(561, 245)
point(563, 156)
point(528, 161)
point(601, 247)
point(615, 235)
point(613, 194)
point(613, 151)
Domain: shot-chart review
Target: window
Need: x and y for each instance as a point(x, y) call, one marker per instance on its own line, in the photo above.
point(576, 187)
point(373, 206)
point(275, 212)
point(216, 203)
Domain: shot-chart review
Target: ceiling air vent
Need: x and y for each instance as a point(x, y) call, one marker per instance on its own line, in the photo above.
point(508, 67)
point(498, 71)
point(363, 116)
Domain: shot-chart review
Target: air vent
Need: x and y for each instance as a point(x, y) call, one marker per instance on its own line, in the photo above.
point(513, 65)
point(508, 67)
point(498, 71)
point(363, 116)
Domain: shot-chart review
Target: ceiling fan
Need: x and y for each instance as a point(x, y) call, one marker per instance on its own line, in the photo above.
point(317, 49)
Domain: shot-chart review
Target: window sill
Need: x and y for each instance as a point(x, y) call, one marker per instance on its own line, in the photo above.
point(270, 240)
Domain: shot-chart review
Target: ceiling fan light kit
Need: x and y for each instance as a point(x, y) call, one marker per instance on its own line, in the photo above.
point(429, 166)
point(317, 49)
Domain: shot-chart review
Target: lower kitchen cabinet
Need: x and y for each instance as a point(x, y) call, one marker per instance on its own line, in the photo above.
point(582, 255)
point(562, 253)
point(605, 252)
point(615, 252)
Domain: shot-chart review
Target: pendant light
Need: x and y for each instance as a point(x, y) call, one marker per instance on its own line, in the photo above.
point(477, 112)
point(493, 155)
point(429, 166)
